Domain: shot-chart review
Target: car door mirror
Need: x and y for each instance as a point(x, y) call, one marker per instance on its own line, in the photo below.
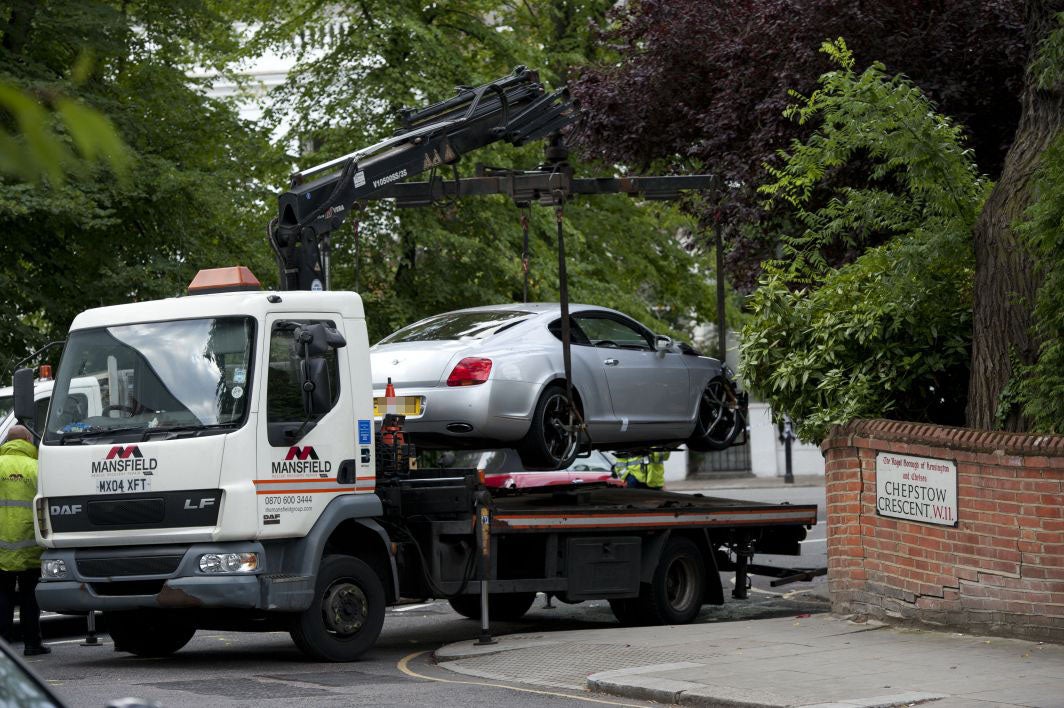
point(662, 343)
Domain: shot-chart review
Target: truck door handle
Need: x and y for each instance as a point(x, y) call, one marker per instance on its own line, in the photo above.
point(611, 362)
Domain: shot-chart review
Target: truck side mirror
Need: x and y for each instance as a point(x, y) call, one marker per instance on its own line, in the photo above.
point(314, 383)
point(313, 342)
point(25, 410)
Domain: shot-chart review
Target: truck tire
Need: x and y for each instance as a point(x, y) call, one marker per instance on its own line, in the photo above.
point(545, 443)
point(502, 607)
point(347, 613)
point(148, 633)
point(675, 594)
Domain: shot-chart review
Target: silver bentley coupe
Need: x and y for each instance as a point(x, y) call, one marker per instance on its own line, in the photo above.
point(491, 377)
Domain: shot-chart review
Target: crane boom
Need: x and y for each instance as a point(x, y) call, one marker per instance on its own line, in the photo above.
point(515, 109)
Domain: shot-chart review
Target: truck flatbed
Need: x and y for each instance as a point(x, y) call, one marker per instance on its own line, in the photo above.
point(612, 508)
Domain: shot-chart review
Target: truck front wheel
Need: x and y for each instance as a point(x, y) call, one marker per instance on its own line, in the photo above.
point(148, 633)
point(674, 596)
point(347, 614)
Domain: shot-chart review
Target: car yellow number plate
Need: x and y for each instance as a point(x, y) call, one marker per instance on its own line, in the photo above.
point(401, 405)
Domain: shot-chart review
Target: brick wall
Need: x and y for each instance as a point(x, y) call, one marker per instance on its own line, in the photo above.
point(999, 571)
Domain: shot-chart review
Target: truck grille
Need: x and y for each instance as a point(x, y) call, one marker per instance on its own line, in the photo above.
point(127, 566)
point(126, 512)
point(111, 512)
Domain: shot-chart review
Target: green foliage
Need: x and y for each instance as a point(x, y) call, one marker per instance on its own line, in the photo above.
point(1040, 388)
point(373, 57)
point(35, 150)
point(889, 333)
point(194, 194)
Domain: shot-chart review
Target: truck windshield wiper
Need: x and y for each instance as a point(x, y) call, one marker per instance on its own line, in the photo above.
point(74, 437)
point(189, 428)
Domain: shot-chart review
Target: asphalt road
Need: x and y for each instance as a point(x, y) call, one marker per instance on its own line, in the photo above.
point(234, 669)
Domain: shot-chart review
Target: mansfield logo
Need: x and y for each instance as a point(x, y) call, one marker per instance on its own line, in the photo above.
point(126, 458)
point(124, 452)
point(301, 453)
point(301, 460)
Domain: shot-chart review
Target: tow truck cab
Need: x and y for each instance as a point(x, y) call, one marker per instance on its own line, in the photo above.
point(204, 451)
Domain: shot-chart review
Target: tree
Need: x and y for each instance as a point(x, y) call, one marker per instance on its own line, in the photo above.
point(379, 56)
point(886, 334)
point(1007, 280)
point(34, 150)
point(195, 191)
point(703, 85)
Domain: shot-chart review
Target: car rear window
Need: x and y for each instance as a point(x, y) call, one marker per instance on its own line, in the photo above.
point(457, 325)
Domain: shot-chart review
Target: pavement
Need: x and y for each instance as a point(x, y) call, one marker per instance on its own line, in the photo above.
point(805, 660)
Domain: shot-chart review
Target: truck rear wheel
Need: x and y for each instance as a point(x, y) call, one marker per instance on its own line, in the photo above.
point(347, 614)
point(503, 607)
point(675, 594)
point(148, 633)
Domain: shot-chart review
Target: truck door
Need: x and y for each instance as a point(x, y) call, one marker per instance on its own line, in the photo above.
point(300, 453)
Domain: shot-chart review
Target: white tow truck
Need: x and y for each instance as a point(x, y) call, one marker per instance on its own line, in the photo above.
point(232, 478)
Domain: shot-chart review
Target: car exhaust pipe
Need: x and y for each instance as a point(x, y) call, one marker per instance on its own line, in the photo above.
point(459, 428)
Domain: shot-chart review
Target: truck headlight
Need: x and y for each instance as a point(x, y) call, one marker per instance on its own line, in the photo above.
point(53, 569)
point(228, 562)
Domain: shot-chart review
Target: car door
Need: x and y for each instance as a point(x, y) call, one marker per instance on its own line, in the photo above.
point(649, 389)
point(589, 378)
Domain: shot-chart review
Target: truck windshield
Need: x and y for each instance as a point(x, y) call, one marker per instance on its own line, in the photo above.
point(188, 376)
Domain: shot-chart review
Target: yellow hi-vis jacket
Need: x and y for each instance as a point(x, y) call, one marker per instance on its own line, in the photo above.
point(18, 485)
point(649, 470)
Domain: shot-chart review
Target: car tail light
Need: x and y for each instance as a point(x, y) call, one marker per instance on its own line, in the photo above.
point(470, 372)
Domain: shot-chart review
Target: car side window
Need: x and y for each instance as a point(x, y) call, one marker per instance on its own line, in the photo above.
point(284, 399)
point(614, 334)
point(576, 335)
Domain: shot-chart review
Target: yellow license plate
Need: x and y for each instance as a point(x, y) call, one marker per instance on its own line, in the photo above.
point(400, 405)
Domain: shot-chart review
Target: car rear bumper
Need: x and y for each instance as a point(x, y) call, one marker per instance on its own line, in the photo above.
point(495, 410)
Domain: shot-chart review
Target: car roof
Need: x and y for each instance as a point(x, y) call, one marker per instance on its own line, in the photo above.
point(532, 308)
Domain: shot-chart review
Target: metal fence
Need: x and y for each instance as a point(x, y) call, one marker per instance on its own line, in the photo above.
point(733, 459)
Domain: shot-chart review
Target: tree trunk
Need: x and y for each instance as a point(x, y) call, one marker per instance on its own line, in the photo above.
point(1005, 278)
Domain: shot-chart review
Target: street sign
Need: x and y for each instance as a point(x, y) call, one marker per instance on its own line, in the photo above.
point(916, 488)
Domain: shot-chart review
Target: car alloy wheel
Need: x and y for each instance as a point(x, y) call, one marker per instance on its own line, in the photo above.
point(558, 440)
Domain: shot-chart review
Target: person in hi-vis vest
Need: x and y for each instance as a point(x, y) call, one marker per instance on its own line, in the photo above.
point(643, 471)
point(20, 556)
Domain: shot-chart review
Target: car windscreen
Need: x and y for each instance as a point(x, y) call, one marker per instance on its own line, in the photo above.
point(185, 376)
point(458, 326)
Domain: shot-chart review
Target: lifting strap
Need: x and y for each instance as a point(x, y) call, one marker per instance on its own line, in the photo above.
point(524, 249)
point(577, 429)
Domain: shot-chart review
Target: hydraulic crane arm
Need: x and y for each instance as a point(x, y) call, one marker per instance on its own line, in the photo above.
point(515, 109)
